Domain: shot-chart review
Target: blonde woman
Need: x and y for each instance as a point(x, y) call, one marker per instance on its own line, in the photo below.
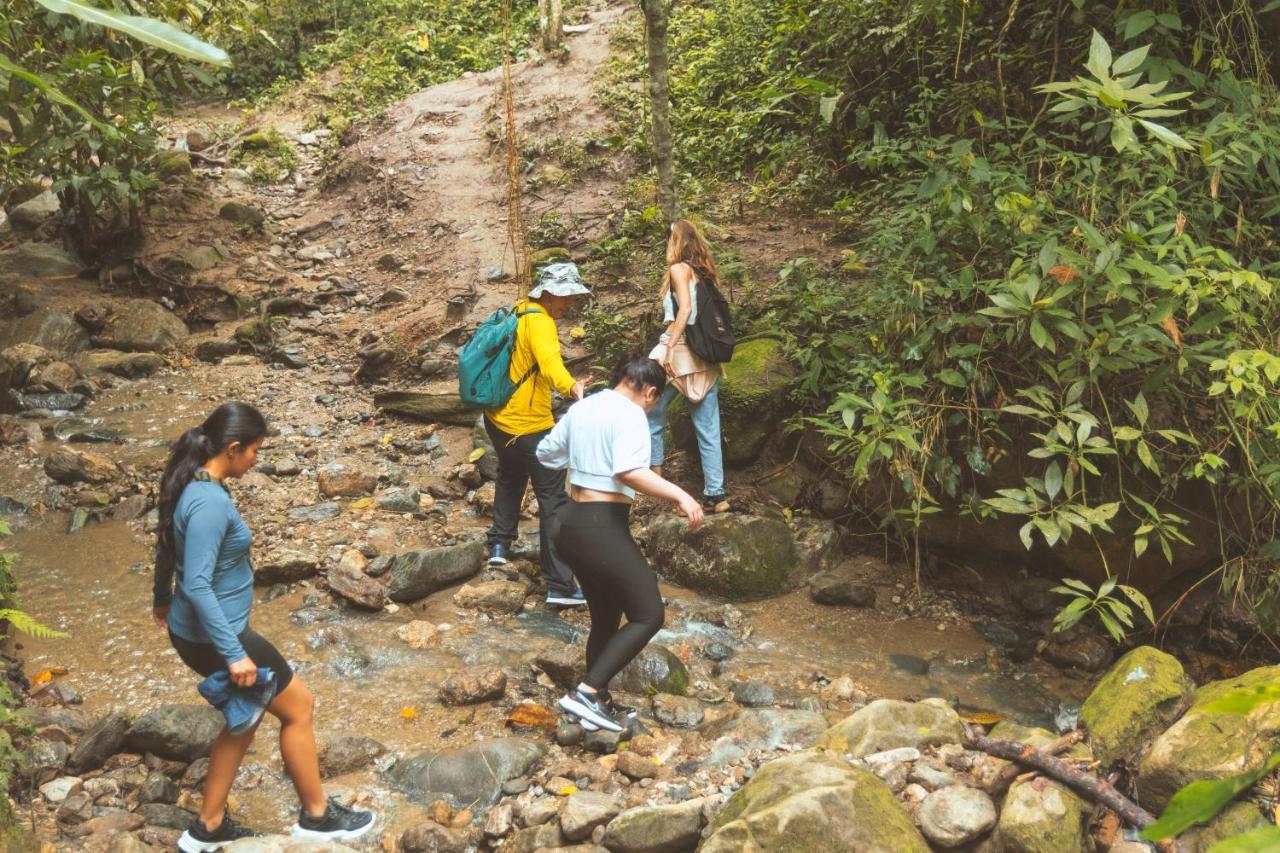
point(688, 260)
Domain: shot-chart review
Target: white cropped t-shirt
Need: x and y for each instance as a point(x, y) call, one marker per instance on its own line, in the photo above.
point(601, 437)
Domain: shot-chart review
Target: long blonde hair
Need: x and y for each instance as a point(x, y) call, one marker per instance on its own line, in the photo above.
point(687, 245)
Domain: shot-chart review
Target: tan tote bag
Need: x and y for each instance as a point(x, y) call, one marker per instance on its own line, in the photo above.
point(694, 377)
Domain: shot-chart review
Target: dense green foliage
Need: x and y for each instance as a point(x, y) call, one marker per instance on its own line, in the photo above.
point(1058, 302)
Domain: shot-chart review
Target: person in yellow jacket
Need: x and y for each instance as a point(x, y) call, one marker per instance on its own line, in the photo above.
point(516, 428)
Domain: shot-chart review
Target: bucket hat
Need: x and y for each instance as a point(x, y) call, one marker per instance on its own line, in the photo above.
point(559, 279)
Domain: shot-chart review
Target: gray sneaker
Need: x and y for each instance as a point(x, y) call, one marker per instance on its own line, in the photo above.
point(589, 709)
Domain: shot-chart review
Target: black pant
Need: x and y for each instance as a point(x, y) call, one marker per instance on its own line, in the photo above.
point(596, 542)
point(205, 660)
point(517, 464)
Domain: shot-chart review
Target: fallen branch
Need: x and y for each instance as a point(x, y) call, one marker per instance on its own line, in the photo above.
point(1059, 746)
point(1096, 789)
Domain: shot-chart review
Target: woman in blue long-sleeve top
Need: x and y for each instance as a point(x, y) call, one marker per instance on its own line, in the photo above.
point(205, 543)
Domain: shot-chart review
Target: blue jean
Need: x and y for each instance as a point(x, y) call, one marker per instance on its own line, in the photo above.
point(706, 426)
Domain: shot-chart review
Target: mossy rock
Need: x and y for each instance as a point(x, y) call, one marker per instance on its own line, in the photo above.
point(752, 393)
point(259, 140)
point(738, 557)
point(255, 331)
point(893, 724)
point(1039, 816)
point(174, 167)
point(1141, 696)
point(1236, 819)
point(1205, 745)
point(812, 801)
point(555, 254)
point(1037, 737)
point(246, 215)
point(656, 669)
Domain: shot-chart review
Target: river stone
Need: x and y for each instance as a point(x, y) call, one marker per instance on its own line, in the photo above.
point(431, 837)
point(348, 753)
point(678, 711)
point(738, 557)
point(157, 788)
point(546, 836)
point(347, 479)
point(1137, 699)
point(43, 760)
point(284, 844)
point(488, 463)
point(130, 365)
point(656, 829)
point(417, 634)
point(284, 565)
point(752, 694)
point(492, 596)
point(47, 328)
point(399, 500)
point(417, 574)
point(1204, 745)
point(16, 430)
point(473, 685)
point(103, 740)
point(57, 376)
point(38, 260)
point(584, 811)
point(357, 587)
point(65, 465)
point(469, 777)
point(242, 214)
point(889, 723)
point(956, 815)
point(35, 212)
point(57, 790)
point(842, 589)
point(1084, 651)
point(217, 348)
point(1039, 816)
point(813, 801)
point(140, 325)
point(326, 511)
point(176, 732)
point(762, 730)
point(656, 669)
point(444, 408)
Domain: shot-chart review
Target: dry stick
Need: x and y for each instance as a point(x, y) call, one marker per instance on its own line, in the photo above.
point(1099, 790)
point(1058, 747)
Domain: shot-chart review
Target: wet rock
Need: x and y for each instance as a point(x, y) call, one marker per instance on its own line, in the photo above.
point(534, 838)
point(50, 402)
point(35, 212)
point(158, 788)
point(841, 589)
point(678, 711)
point(65, 465)
point(432, 407)
point(738, 557)
point(956, 815)
point(417, 634)
point(130, 365)
point(141, 325)
point(584, 811)
point(346, 479)
point(103, 740)
point(468, 777)
point(491, 596)
point(564, 664)
point(417, 574)
point(1206, 745)
point(431, 837)
point(400, 500)
point(568, 732)
point(813, 801)
point(499, 821)
point(166, 815)
point(217, 348)
point(326, 511)
point(177, 732)
point(473, 685)
point(357, 587)
point(1136, 700)
point(752, 694)
point(1040, 816)
point(655, 669)
point(348, 753)
point(635, 766)
point(242, 214)
point(889, 724)
point(656, 829)
point(762, 730)
point(57, 376)
point(46, 327)
point(285, 565)
point(602, 742)
point(19, 431)
point(1085, 651)
point(93, 317)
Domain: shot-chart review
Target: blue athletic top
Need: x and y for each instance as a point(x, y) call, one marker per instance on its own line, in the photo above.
point(215, 578)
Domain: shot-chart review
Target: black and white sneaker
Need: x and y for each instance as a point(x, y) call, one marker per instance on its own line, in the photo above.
point(199, 839)
point(620, 712)
point(589, 709)
point(559, 599)
point(338, 824)
point(497, 555)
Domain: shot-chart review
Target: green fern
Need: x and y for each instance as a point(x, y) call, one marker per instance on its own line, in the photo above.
point(29, 626)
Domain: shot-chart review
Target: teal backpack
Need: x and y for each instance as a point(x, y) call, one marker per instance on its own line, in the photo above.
point(484, 365)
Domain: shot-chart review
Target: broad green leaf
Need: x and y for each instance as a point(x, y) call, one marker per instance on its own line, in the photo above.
point(827, 107)
point(1164, 134)
point(1264, 840)
point(952, 377)
point(1127, 433)
point(1099, 56)
point(1052, 481)
point(1122, 135)
point(1131, 60)
point(155, 33)
point(1138, 598)
point(1201, 801)
point(53, 93)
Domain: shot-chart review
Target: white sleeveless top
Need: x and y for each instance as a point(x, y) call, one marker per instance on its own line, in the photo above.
point(670, 305)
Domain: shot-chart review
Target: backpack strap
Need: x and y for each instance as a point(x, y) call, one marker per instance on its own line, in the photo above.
point(535, 368)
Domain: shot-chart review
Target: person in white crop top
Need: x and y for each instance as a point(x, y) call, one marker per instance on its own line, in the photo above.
point(604, 443)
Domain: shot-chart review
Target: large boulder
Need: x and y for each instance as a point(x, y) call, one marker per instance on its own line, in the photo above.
point(813, 801)
point(103, 740)
point(1039, 816)
point(140, 325)
point(177, 732)
point(753, 393)
point(673, 828)
point(348, 753)
point(37, 260)
point(890, 724)
point(1237, 818)
point(417, 574)
point(1207, 745)
point(444, 408)
point(469, 777)
point(1137, 699)
point(45, 327)
point(346, 479)
point(129, 365)
point(65, 465)
point(35, 212)
point(284, 565)
point(762, 730)
point(656, 669)
point(738, 557)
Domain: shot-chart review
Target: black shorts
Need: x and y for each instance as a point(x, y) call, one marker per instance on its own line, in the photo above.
point(204, 658)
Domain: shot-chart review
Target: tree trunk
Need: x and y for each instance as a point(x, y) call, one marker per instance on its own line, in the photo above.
point(549, 22)
point(655, 17)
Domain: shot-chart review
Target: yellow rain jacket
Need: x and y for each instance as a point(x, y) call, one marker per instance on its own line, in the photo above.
point(529, 409)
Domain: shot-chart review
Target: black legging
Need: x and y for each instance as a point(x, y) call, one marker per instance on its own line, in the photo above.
point(596, 543)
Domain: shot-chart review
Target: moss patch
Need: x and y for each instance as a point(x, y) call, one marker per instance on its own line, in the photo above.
point(1137, 699)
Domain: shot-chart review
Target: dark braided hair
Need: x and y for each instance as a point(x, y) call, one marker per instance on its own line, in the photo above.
point(639, 371)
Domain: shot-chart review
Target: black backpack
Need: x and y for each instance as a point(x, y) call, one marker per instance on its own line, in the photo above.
point(711, 335)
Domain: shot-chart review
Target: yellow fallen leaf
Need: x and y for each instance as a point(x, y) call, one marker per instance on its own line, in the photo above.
point(424, 42)
point(982, 718)
point(388, 438)
point(47, 675)
point(476, 454)
point(577, 332)
point(567, 790)
point(408, 713)
point(362, 503)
